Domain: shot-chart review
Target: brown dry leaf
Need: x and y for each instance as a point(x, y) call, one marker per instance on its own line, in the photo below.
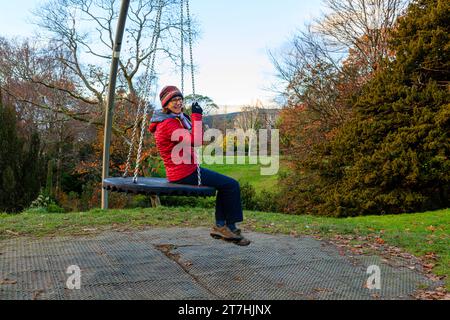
point(431, 228)
point(431, 256)
point(439, 294)
point(322, 290)
point(8, 281)
point(13, 233)
point(405, 255)
point(379, 241)
point(36, 294)
point(357, 251)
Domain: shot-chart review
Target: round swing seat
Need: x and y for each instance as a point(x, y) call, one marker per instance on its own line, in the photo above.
point(156, 186)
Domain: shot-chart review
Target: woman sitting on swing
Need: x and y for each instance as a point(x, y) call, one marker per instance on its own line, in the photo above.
point(228, 201)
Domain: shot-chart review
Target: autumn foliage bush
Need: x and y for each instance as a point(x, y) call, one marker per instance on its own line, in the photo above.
point(392, 155)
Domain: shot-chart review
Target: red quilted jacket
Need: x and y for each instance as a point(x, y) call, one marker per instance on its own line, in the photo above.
point(163, 133)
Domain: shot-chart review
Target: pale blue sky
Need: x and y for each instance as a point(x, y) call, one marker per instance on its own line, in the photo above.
point(234, 67)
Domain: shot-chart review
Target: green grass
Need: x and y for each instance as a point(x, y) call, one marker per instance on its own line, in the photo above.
point(417, 234)
point(250, 173)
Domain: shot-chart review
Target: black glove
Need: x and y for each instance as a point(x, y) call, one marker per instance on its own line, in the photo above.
point(196, 108)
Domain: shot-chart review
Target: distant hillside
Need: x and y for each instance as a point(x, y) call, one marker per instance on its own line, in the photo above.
point(228, 118)
point(221, 121)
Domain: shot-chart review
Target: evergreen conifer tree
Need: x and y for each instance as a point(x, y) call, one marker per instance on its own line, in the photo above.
point(393, 156)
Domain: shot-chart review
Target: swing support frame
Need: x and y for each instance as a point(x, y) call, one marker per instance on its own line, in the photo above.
point(109, 112)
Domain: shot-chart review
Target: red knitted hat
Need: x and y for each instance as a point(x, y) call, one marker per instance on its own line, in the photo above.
point(168, 93)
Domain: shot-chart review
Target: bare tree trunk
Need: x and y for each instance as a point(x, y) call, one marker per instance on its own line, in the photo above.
point(59, 160)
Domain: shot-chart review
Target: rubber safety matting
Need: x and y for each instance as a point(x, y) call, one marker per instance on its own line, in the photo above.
point(174, 264)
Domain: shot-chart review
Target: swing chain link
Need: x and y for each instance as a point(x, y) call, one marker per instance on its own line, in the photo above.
point(142, 89)
point(152, 72)
point(133, 137)
point(199, 176)
point(182, 44)
point(190, 50)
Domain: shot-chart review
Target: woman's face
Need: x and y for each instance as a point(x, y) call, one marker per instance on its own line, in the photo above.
point(175, 105)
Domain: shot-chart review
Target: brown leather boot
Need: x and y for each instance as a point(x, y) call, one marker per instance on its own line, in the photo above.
point(242, 242)
point(224, 233)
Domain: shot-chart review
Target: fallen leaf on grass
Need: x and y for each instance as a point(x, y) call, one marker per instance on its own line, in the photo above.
point(357, 251)
point(89, 229)
point(379, 241)
point(431, 256)
point(429, 266)
point(13, 233)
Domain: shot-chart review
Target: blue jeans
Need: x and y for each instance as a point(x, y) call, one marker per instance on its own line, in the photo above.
point(228, 200)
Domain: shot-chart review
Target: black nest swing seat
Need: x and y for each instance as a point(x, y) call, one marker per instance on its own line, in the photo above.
point(156, 186)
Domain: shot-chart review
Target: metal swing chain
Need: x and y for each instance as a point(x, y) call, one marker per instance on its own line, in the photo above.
point(133, 137)
point(197, 150)
point(138, 113)
point(190, 50)
point(152, 72)
point(182, 44)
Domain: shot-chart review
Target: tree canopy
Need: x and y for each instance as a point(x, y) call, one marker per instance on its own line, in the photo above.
point(392, 155)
